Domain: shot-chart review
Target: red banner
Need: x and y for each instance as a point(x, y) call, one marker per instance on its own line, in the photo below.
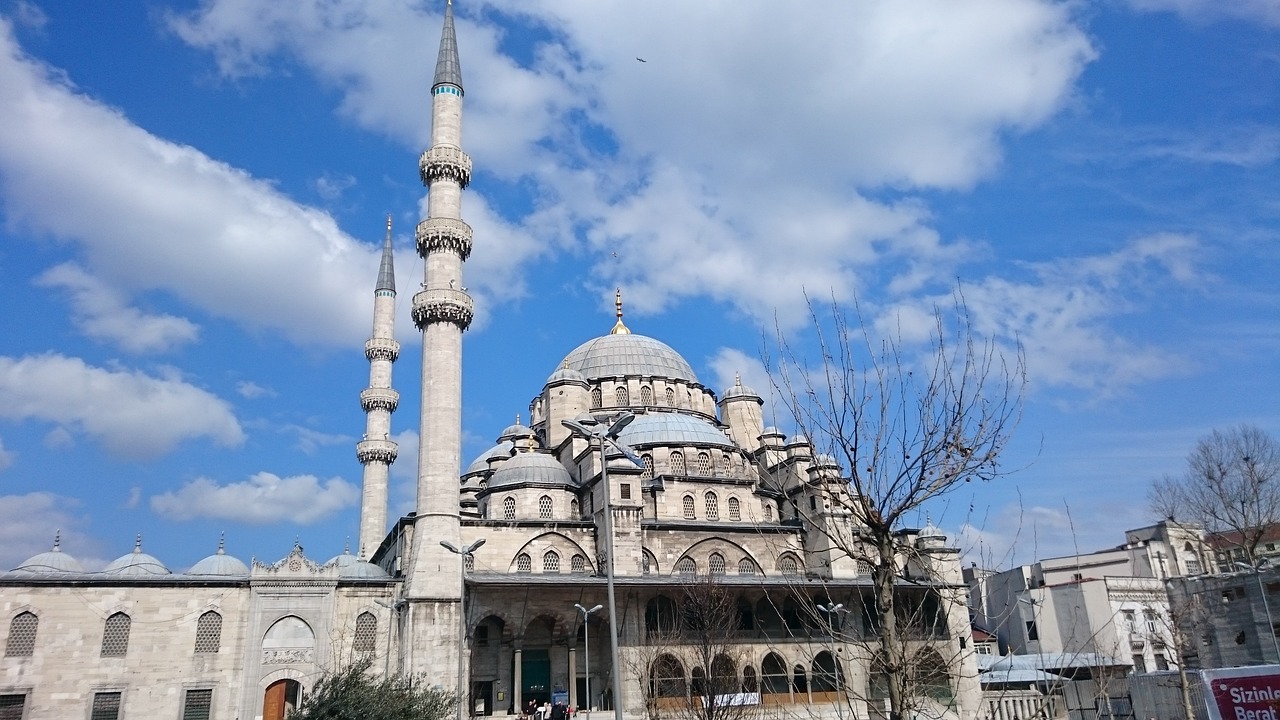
point(1245, 693)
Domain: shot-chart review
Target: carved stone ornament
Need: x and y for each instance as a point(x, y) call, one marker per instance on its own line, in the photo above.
point(444, 235)
point(379, 399)
point(445, 162)
point(289, 656)
point(295, 564)
point(383, 451)
point(381, 349)
point(443, 305)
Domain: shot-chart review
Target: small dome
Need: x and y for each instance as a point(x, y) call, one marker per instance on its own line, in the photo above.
point(515, 431)
point(219, 563)
point(772, 431)
point(739, 391)
point(136, 563)
point(530, 468)
point(345, 559)
point(498, 452)
point(825, 460)
point(797, 439)
point(932, 532)
point(566, 374)
point(626, 355)
point(672, 429)
point(361, 570)
point(52, 561)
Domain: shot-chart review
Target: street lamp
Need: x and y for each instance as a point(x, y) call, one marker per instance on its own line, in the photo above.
point(610, 437)
point(586, 650)
point(1271, 626)
point(833, 611)
point(462, 554)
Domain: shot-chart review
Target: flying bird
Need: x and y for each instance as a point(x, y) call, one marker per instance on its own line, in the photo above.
point(642, 60)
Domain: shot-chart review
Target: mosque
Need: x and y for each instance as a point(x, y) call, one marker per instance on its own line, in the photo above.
point(630, 479)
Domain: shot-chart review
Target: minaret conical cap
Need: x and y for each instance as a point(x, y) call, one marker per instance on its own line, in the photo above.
point(387, 270)
point(448, 68)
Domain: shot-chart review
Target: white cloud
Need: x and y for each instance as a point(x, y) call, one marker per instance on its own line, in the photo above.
point(403, 494)
point(1266, 12)
point(131, 413)
point(252, 391)
point(309, 440)
point(731, 365)
point(29, 522)
point(262, 499)
point(102, 313)
point(331, 186)
point(6, 457)
point(135, 497)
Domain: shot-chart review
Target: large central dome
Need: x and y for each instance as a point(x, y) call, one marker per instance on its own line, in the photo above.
point(629, 354)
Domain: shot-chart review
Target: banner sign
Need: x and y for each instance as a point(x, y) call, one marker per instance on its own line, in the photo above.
point(1243, 693)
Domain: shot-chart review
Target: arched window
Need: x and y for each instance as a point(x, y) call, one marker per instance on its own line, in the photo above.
point(746, 567)
point(715, 564)
point(597, 398)
point(671, 397)
point(800, 681)
point(578, 565)
point(749, 684)
point(704, 464)
point(735, 509)
point(573, 508)
point(878, 678)
point(508, 508)
point(22, 635)
point(686, 566)
point(688, 504)
point(648, 563)
point(366, 633)
point(723, 465)
point(551, 562)
point(713, 506)
point(646, 395)
point(544, 507)
point(620, 395)
point(787, 564)
point(774, 679)
point(647, 473)
point(667, 678)
point(827, 676)
point(115, 635)
point(724, 676)
point(929, 675)
point(677, 463)
point(524, 563)
point(768, 512)
point(209, 633)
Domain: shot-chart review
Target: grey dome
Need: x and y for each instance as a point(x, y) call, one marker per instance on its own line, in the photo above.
point(825, 460)
point(530, 468)
point(481, 463)
point(513, 432)
point(672, 429)
point(361, 570)
point(51, 561)
point(738, 390)
point(566, 374)
point(797, 439)
point(219, 563)
point(628, 355)
point(136, 563)
point(344, 560)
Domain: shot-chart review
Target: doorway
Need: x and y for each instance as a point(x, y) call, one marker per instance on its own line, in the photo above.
point(281, 699)
point(535, 669)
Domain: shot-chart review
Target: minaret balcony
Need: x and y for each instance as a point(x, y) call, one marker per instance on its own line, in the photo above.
point(445, 162)
point(383, 451)
point(444, 235)
point(379, 399)
point(443, 305)
point(377, 348)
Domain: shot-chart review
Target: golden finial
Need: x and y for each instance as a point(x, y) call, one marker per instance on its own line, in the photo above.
point(618, 327)
point(737, 380)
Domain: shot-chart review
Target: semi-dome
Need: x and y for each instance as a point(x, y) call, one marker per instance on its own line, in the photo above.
point(530, 468)
point(497, 452)
point(672, 429)
point(219, 563)
point(136, 563)
point(51, 561)
point(628, 355)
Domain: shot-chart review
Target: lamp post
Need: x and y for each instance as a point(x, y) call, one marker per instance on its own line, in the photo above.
point(586, 650)
point(833, 611)
point(609, 436)
point(462, 554)
point(1271, 626)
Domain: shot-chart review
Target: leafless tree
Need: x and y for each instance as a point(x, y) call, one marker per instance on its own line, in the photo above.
point(907, 428)
point(1229, 487)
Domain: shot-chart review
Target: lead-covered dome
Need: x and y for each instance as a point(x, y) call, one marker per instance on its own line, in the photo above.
point(50, 562)
point(628, 355)
point(672, 429)
point(530, 468)
point(136, 563)
point(220, 563)
point(501, 451)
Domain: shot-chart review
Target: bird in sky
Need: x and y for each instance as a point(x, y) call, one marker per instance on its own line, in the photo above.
point(642, 59)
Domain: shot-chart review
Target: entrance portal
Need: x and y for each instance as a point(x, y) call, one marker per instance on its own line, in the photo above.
point(280, 699)
point(536, 670)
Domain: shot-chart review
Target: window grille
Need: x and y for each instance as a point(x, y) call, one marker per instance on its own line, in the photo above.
point(197, 705)
point(106, 705)
point(724, 465)
point(115, 639)
point(646, 395)
point(704, 464)
point(735, 509)
point(646, 564)
point(715, 564)
point(687, 566)
point(746, 567)
point(597, 398)
point(688, 508)
point(768, 512)
point(788, 565)
point(573, 508)
point(544, 507)
point(366, 633)
point(524, 563)
point(671, 397)
point(509, 508)
point(648, 466)
point(468, 562)
point(551, 562)
point(620, 396)
point(11, 706)
point(22, 636)
point(578, 565)
point(677, 463)
point(209, 633)
point(625, 491)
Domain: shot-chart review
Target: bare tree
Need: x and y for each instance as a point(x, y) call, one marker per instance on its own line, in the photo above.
point(1229, 486)
point(908, 429)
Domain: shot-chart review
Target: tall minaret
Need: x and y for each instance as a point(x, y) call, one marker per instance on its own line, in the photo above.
point(376, 451)
point(442, 311)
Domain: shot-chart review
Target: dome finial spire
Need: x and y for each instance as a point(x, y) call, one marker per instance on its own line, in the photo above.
point(57, 540)
point(618, 327)
point(448, 67)
point(386, 269)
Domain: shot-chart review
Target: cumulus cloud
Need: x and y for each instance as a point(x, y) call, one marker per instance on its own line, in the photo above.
point(29, 522)
point(309, 440)
point(102, 313)
point(6, 457)
point(252, 391)
point(1266, 12)
point(731, 365)
point(131, 413)
point(262, 499)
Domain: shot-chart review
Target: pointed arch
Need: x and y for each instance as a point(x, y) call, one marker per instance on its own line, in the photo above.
point(22, 635)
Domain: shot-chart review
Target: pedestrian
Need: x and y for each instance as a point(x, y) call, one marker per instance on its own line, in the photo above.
point(557, 712)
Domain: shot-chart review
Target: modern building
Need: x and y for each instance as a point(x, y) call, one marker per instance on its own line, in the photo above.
point(483, 581)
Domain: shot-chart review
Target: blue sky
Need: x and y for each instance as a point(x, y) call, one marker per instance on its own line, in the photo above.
point(193, 195)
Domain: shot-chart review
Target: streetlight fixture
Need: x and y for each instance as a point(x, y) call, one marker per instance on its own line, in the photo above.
point(586, 640)
point(833, 611)
point(1271, 626)
point(609, 437)
point(462, 554)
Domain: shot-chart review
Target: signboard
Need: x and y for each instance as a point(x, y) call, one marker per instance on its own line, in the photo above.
point(1243, 693)
point(562, 697)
